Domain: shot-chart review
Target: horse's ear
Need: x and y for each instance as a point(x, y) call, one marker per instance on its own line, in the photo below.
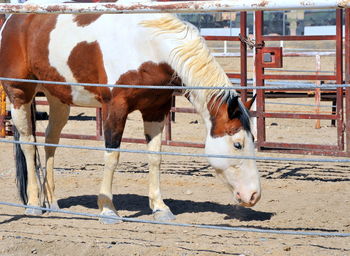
point(233, 109)
point(248, 104)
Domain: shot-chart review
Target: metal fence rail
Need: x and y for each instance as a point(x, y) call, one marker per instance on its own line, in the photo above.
point(173, 6)
point(238, 229)
point(281, 86)
point(323, 160)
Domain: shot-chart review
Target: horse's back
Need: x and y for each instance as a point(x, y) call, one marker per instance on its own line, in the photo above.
point(89, 48)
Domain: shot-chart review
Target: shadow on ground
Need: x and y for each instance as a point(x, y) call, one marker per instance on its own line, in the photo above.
point(139, 204)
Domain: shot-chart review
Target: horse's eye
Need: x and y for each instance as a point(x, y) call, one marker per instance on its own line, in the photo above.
point(237, 145)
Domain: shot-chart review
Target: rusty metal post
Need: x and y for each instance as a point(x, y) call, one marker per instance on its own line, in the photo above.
point(339, 78)
point(99, 130)
point(347, 80)
point(2, 98)
point(318, 92)
point(243, 47)
point(168, 129)
point(259, 71)
point(2, 112)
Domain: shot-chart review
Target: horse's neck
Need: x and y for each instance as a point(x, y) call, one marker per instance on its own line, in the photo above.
point(190, 58)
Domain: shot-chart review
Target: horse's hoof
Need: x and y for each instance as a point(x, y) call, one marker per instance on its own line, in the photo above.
point(110, 213)
point(163, 215)
point(53, 206)
point(31, 211)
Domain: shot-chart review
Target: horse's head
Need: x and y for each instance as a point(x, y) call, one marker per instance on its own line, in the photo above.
point(229, 134)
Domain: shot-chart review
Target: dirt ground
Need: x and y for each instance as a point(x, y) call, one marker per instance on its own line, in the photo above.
point(296, 197)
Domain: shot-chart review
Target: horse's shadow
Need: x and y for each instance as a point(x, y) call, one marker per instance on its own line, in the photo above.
point(139, 204)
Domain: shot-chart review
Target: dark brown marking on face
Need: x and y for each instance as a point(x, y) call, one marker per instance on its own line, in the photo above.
point(222, 124)
point(86, 63)
point(83, 20)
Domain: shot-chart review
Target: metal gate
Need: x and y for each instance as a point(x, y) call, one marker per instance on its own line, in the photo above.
point(272, 57)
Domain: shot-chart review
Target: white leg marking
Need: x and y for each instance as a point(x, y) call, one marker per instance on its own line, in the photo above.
point(153, 130)
point(105, 197)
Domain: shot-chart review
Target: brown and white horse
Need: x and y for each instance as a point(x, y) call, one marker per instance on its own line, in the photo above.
point(149, 49)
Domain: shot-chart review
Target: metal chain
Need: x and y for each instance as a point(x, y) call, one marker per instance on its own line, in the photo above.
point(251, 42)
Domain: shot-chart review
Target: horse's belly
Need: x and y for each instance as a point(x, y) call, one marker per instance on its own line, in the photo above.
point(84, 98)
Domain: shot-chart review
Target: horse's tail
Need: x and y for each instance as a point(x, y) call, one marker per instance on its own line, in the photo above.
point(21, 169)
point(21, 165)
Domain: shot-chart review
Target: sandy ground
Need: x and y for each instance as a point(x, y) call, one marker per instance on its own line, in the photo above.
point(296, 197)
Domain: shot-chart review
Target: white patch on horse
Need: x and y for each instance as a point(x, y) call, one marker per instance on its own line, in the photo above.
point(123, 49)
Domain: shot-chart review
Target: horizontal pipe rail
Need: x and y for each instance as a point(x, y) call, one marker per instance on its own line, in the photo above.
point(299, 146)
point(261, 158)
point(285, 86)
point(172, 6)
point(298, 116)
point(299, 77)
point(319, 152)
point(227, 228)
point(298, 38)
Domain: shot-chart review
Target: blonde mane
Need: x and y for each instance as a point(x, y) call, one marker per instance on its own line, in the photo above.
point(192, 59)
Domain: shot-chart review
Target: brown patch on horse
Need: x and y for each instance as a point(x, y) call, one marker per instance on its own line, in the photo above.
point(221, 123)
point(13, 61)
point(86, 19)
point(86, 64)
point(153, 104)
point(25, 55)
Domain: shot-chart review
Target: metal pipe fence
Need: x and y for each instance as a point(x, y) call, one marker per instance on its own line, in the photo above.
point(284, 85)
point(191, 7)
point(172, 6)
point(303, 159)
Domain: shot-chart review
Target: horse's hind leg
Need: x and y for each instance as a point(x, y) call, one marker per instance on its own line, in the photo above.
point(58, 117)
point(21, 117)
point(153, 134)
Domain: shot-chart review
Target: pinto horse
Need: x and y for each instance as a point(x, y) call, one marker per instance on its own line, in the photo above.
point(132, 49)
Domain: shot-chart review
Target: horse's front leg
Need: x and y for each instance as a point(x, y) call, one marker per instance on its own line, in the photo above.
point(153, 134)
point(114, 119)
point(58, 117)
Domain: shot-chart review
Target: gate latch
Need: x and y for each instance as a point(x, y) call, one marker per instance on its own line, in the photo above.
point(272, 57)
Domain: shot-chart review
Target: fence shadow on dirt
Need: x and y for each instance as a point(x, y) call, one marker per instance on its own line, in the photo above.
point(139, 204)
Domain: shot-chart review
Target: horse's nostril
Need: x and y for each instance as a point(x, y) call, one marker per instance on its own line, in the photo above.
point(238, 195)
point(253, 197)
